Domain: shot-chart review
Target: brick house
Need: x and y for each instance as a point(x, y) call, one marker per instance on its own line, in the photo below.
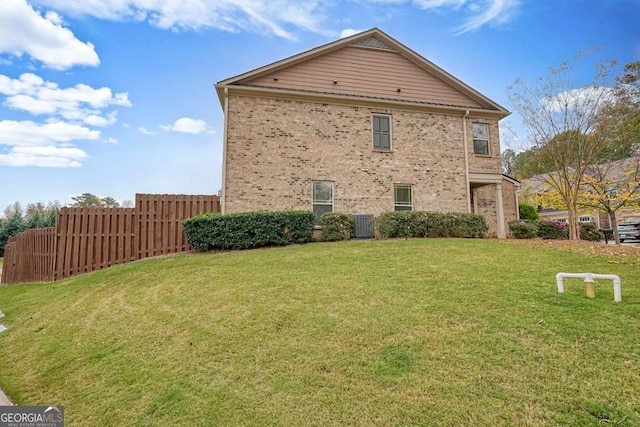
point(362, 125)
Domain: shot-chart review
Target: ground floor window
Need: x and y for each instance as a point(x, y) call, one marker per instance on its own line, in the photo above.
point(402, 197)
point(322, 197)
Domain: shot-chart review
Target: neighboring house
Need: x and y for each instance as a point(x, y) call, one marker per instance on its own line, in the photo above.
point(548, 214)
point(613, 175)
point(599, 218)
point(363, 125)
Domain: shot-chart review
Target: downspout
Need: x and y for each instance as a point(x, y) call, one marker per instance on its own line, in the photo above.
point(224, 152)
point(466, 158)
point(518, 192)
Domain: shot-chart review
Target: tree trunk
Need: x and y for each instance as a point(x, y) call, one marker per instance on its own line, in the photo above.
point(614, 226)
point(574, 230)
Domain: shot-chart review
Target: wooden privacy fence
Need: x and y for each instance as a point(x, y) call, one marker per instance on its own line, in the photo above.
point(29, 254)
point(88, 239)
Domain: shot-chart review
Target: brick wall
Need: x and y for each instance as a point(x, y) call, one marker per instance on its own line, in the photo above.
point(276, 148)
point(485, 164)
point(486, 204)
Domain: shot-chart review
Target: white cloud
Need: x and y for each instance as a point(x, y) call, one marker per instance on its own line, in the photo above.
point(43, 145)
point(493, 12)
point(349, 32)
point(80, 103)
point(29, 133)
point(582, 100)
point(111, 140)
point(100, 121)
point(146, 131)
point(188, 125)
point(24, 30)
point(271, 17)
point(434, 4)
point(49, 160)
point(478, 12)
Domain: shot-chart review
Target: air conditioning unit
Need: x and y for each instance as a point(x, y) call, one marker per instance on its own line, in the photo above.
point(363, 226)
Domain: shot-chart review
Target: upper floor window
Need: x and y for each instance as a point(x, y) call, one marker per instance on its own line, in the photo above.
point(402, 197)
point(322, 197)
point(481, 139)
point(381, 132)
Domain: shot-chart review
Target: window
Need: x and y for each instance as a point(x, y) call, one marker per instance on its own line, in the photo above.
point(381, 132)
point(584, 219)
point(402, 197)
point(322, 197)
point(481, 139)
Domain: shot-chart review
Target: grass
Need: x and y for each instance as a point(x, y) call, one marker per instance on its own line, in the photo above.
point(406, 332)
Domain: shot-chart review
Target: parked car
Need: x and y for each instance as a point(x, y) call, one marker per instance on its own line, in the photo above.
point(629, 231)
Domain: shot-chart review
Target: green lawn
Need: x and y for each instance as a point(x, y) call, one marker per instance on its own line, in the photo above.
point(406, 332)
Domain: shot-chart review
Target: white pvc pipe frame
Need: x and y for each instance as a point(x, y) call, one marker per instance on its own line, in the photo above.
point(588, 278)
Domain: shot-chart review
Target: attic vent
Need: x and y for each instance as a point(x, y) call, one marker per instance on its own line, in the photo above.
point(373, 42)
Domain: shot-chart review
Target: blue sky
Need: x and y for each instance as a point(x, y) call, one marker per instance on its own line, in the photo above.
point(116, 97)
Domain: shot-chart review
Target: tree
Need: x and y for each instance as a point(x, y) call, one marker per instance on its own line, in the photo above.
point(11, 226)
point(13, 209)
point(87, 200)
point(612, 186)
point(110, 202)
point(607, 187)
point(35, 216)
point(34, 209)
point(509, 162)
point(571, 126)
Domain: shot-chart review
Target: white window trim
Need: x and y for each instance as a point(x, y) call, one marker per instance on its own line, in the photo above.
point(324, 203)
point(380, 150)
point(395, 204)
point(473, 140)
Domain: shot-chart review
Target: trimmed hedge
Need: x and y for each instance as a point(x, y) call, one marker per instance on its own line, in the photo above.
point(526, 229)
point(523, 228)
point(336, 226)
point(248, 230)
point(429, 224)
point(589, 231)
point(552, 230)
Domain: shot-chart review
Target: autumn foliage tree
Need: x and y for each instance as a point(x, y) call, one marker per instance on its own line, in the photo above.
point(573, 127)
point(611, 186)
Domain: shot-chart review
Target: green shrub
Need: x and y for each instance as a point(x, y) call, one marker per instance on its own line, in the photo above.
point(336, 226)
point(589, 231)
point(429, 224)
point(527, 212)
point(41, 219)
point(10, 227)
point(523, 228)
point(552, 230)
point(248, 230)
point(401, 224)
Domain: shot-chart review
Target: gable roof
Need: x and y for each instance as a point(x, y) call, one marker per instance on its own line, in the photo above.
point(421, 72)
point(613, 171)
point(511, 179)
